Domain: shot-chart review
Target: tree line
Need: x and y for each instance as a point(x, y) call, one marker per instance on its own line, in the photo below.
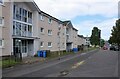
point(95, 38)
point(115, 35)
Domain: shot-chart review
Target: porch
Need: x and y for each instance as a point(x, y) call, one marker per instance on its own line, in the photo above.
point(23, 47)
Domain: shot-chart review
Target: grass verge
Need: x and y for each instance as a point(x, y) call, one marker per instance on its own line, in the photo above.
point(8, 63)
point(56, 54)
point(11, 62)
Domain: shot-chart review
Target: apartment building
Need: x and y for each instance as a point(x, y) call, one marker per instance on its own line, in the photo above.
point(81, 40)
point(27, 30)
point(51, 33)
point(71, 36)
point(87, 41)
point(75, 41)
point(81, 44)
point(20, 31)
point(1, 27)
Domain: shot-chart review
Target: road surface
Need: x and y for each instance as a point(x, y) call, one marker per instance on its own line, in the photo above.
point(102, 63)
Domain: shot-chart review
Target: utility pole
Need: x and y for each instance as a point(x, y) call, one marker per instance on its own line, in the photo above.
point(59, 41)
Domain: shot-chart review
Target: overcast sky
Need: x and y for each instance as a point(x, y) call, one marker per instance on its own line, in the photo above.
point(84, 14)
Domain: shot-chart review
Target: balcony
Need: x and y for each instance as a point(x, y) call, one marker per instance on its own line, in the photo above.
point(29, 34)
point(68, 39)
point(67, 33)
point(29, 20)
point(22, 33)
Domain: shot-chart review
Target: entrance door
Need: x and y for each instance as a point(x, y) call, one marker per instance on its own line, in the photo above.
point(69, 46)
point(24, 48)
point(30, 48)
point(17, 47)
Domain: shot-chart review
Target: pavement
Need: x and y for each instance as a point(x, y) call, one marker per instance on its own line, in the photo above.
point(31, 60)
point(90, 64)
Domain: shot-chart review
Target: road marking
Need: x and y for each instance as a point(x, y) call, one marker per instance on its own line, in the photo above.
point(83, 53)
point(78, 64)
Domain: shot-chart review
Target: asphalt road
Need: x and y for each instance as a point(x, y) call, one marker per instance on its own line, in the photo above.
point(91, 64)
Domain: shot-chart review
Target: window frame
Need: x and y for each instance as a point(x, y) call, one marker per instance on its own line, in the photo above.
point(49, 20)
point(50, 45)
point(2, 43)
point(1, 2)
point(41, 44)
point(41, 30)
point(30, 17)
point(49, 32)
point(41, 17)
point(2, 21)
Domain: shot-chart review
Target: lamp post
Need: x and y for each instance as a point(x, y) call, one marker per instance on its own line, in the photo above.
point(19, 51)
point(59, 41)
point(87, 42)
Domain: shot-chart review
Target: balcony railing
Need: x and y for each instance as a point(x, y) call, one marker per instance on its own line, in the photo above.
point(20, 32)
point(68, 39)
point(30, 34)
point(29, 20)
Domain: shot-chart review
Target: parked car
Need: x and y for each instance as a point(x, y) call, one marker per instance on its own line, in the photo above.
point(115, 48)
point(112, 48)
point(105, 48)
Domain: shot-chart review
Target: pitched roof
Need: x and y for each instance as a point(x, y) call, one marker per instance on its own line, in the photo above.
point(47, 15)
point(68, 23)
point(75, 29)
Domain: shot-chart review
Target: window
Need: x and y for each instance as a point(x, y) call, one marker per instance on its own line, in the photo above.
point(18, 28)
point(49, 32)
point(59, 24)
point(29, 30)
point(1, 21)
point(49, 44)
point(49, 20)
point(18, 13)
point(14, 12)
point(41, 44)
point(24, 14)
point(1, 43)
point(24, 30)
point(14, 28)
point(42, 30)
point(1, 1)
point(58, 33)
point(41, 18)
point(24, 46)
point(29, 17)
point(63, 44)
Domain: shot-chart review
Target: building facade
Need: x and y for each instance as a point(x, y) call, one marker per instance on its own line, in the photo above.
point(1, 27)
point(51, 33)
point(81, 40)
point(27, 30)
point(88, 41)
point(71, 36)
point(20, 28)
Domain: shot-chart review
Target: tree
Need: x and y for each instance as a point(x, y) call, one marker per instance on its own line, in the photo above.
point(110, 40)
point(102, 42)
point(95, 37)
point(115, 35)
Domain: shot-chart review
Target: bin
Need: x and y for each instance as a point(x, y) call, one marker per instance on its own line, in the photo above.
point(40, 53)
point(75, 50)
point(44, 54)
